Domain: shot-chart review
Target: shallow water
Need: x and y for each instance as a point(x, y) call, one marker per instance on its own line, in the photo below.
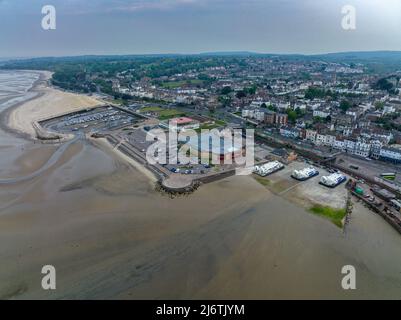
point(110, 235)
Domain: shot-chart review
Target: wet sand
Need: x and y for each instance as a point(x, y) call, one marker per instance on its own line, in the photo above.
point(99, 221)
point(103, 144)
point(48, 102)
point(109, 235)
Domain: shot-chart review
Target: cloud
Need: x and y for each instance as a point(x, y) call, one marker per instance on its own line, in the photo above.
point(97, 6)
point(106, 6)
point(155, 4)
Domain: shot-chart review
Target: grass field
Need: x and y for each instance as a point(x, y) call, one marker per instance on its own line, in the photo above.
point(220, 123)
point(263, 181)
point(164, 114)
point(178, 84)
point(334, 215)
point(168, 114)
point(151, 109)
point(207, 127)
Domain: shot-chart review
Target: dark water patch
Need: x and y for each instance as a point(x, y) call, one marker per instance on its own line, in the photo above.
point(13, 291)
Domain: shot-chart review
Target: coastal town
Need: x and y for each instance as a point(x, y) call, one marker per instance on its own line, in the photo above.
point(339, 119)
point(178, 153)
point(320, 105)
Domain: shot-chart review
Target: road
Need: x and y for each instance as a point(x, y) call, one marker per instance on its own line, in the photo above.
point(369, 168)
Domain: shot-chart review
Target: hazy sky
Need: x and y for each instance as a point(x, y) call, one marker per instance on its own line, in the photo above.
point(191, 26)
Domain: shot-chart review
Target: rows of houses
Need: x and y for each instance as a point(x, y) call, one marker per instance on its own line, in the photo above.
point(365, 145)
point(266, 116)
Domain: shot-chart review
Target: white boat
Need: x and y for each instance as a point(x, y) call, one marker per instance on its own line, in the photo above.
point(268, 168)
point(305, 174)
point(333, 180)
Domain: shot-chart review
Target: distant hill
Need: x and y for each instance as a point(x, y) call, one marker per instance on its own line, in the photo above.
point(376, 61)
point(363, 55)
point(229, 53)
point(357, 55)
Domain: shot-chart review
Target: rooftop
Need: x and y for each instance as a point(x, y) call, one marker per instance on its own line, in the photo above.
point(182, 120)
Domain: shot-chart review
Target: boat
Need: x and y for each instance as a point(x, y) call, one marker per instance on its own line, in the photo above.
point(333, 180)
point(305, 174)
point(268, 168)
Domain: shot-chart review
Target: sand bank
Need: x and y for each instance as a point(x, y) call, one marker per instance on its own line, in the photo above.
point(49, 102)
point(105, 145)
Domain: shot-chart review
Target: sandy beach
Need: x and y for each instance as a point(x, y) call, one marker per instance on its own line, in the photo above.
point(49, 102)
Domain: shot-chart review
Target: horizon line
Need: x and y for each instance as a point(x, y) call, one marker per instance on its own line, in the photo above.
point(235, 52)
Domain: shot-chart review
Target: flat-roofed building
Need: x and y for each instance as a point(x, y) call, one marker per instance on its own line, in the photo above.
point(183, 123)
point(281, 119)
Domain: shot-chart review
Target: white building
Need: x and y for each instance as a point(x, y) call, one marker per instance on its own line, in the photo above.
point(259, 115)
point(339, 144)
point(283, 106)
point(388, 109)
point(311, 135)
point(247, 113)
point(329, 140)
point(349, 145)
point(300, 106)
point(322, 113)
point(320, 138)
point(362, 149)
point(390, 154)
point(375, 149)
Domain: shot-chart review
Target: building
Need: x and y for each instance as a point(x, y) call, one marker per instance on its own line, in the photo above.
point(375, 149)
point(259, 115)
point(248, 113)
point(390, 154)
point(321, 113)
point(220, 148)
point(311, 135)
point(270, 117)
point(388, 109)
point(339, 144)
point(362, 149)
point(183, 123)
point(283, 155)
point(329, 140)
point(300, 106)
point(289, 132)
point(281, 119)
point(283, 106)
point(320, 138)
point(358, 147)
point(350, 145)
point(355, 113)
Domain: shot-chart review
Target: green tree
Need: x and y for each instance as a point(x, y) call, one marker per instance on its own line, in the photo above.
point(225, 100)
point(379, 105)
point(292, 115)
point(226, 90)
point(241, 94)
point(313, 93)
point(251, 90)
point(345, 105)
